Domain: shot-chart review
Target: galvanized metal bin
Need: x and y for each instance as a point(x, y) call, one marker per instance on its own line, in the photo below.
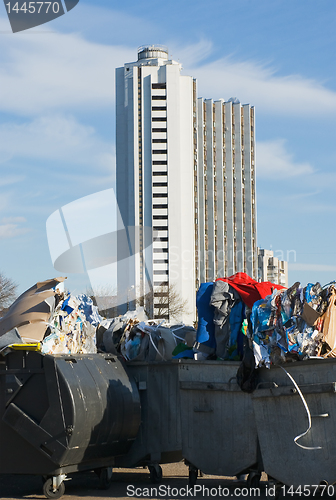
point(60, 414)
point(281, 416)
point(159, 437)
point(219, 434)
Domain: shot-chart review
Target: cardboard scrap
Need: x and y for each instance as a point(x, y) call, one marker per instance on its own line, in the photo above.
point(31, 311)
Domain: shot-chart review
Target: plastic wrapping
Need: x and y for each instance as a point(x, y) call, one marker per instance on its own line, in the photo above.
point(292, 321)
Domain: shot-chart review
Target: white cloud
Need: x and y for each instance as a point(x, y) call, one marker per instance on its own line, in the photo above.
point(259, 85)
point(5, 200)
point(55, 138)
point(51, 71)
point(310, 267)
point(13, 220)
point(11, 230)
point(324, 179)
point(316, 206)
point(275, 162)
point(302, 196)
point(7, 180)
point(10, 227)
point(191, 54)
point(106, 23)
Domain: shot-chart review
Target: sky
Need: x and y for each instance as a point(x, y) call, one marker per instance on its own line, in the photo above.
point(57, 116)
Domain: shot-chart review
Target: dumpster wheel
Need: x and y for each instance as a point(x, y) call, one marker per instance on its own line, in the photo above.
point(50, 492)
point(253, 479)
point(155, 473)
point(193, 474)
point(105, 477)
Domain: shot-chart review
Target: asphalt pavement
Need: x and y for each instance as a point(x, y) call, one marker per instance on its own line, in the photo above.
point(135, 483)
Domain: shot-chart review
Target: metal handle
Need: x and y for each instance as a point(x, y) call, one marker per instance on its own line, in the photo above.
point(203, 410)
point(269, 385)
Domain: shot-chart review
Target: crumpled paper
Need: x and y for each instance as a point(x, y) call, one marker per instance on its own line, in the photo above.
point(72, 327)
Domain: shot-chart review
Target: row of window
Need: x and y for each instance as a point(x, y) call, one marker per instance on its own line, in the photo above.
point(158, 85)
point(159, 173)
point(161, 238)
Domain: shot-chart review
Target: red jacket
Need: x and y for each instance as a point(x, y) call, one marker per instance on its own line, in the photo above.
point(249, 289)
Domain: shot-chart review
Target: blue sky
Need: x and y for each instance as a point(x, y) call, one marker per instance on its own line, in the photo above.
point(57, 116)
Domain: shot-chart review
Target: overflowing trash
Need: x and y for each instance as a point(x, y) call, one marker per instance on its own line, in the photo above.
point(294, 324)
point(222, 307)
point(238, 314)
point(32, 310)
point(55, 321)
point(235, 315)
point(138, 339)
point(72, 326)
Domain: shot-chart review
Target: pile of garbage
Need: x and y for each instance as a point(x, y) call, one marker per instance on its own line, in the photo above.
point(138, 339)
point(294, 324)
point(57, 322)
point(53, 320)
point(235, 314)
point(277, 324)
point(72, 326)
point(224, 307)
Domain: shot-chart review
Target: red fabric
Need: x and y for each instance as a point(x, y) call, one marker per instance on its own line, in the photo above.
point(249, 289)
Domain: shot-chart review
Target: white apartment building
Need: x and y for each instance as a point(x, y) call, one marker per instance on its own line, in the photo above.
point(185, 182)
point(155, 176)
point(226, 207)
point(272, 269)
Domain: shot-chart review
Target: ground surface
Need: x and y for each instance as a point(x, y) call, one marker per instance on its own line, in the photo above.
point(132, 483)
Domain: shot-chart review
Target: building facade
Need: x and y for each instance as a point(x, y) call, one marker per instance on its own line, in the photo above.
point(185, 182)
point(155, 177)
point(272, 269)
point(226, 207)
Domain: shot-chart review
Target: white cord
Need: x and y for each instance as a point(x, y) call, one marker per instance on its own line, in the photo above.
point(176, 336)
point(150, 336)
point(178, 328)
point(309, 417)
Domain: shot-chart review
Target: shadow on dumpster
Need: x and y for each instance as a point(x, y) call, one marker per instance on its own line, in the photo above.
point(104, 414)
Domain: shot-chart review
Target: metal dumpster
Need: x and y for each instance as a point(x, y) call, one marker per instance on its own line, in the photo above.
point(159, 437)
point(281, 416)
point(219, 434)
point(65, 413)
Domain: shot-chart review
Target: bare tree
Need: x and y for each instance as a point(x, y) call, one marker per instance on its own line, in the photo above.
point(105, 298)
point(168, 302)
point(7, 293)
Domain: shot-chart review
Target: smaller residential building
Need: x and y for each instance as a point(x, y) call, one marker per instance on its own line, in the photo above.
point(272, 269)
